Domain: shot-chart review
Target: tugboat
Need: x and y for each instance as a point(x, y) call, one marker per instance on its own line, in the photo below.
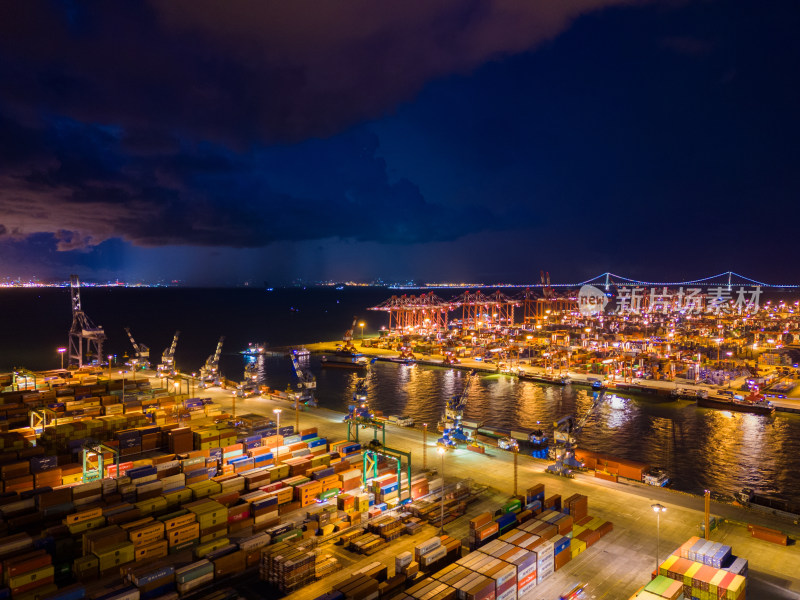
point(657, 477)
point(255, 349)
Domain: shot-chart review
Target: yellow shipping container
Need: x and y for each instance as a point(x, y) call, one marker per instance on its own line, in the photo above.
point(204, 549)
point(31, 576)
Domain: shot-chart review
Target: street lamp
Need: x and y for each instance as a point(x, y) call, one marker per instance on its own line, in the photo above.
point(61, 352)
point(277, 412)
point(658, 509)
point(362, 330)
point(109, 364)
point(123, 384)
point(441, 518)
point(177, 385)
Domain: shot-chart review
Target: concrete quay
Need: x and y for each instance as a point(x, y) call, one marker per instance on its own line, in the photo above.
point(615, 567)
point(649, 386)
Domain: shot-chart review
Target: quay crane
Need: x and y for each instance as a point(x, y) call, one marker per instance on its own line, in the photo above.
point(451, 425)
point(306, 382)
point(564, 432)
point(209, 372)
point(83, 335)
point(142, 356)
point(167, 366)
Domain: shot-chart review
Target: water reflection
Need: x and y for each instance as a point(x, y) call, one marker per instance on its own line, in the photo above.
point(701, 448)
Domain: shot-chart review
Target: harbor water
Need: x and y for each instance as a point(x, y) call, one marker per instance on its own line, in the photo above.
point(700, 448)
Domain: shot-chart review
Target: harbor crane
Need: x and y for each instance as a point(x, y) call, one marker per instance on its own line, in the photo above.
point(142, 356)
point(306, 382)
point(451, 425)
point(167, 366)
point(209, 372)
point(84, 336)
point(348, 337)
point(360, 415)
point(564, 432)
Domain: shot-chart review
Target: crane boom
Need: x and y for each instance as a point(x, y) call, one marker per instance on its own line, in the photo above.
point(306, 382)
point(209, 372)
point(167, 365)
point(142, 351)
point(564, 432)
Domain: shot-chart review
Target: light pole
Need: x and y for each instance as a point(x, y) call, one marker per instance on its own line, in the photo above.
point(109, 365)
point(277, 412)
point(61, 352)
point(191, 385)
point(441, 517)
point(658, 509)
point(177, 386)
point(424, 446)
point(123, 385)
point(362, 330)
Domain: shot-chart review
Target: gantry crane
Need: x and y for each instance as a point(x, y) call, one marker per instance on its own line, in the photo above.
point(451, 425)
point(306, 383)
point(142, 352)
point(564, 432)
point(167, 365)
point(84, 336)
point(209, 372)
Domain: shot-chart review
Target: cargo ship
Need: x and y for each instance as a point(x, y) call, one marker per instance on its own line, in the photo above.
point(753, 403)
point(345, 360)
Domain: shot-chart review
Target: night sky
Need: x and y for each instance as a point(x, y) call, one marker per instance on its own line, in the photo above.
point(461, 140)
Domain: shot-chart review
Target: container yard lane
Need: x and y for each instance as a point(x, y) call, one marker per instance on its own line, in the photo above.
point(622, 561)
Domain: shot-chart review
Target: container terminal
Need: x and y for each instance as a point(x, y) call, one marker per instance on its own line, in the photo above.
point(150, 491)
point(163, 485)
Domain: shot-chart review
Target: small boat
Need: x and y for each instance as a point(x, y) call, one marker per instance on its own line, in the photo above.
point(597, 384)
point(301, 352)
point(255, 349)
point(345, 360)
point(657, 477)
point(508, 443)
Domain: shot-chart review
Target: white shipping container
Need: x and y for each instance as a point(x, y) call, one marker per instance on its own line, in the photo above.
point(427, 546)
point(402, 560)
point(195, 583)
point(431, 557)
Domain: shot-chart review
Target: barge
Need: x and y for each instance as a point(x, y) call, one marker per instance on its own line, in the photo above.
point(345, 360)
point(754, 403)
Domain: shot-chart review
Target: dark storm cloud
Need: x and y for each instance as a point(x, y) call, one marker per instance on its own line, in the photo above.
point(249, 69)
point(91, 188)
point(185, 122)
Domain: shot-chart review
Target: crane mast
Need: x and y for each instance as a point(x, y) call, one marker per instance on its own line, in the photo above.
point(306, 382)
point(142, 351)
point(167, 366)
point(451, 424)
point(347, 338)
point(564, 432)
point(84, 337)
point(209, 372)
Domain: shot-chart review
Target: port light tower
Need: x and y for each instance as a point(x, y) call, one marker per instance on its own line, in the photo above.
point(84, 336)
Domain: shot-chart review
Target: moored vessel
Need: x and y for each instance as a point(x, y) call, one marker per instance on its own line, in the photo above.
point(345, 360)
point(753, 403)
